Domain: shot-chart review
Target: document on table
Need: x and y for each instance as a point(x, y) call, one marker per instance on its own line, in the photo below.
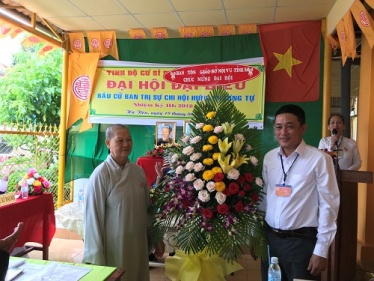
point(50, 272)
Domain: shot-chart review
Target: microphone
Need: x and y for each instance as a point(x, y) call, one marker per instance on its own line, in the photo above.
point(334, 133)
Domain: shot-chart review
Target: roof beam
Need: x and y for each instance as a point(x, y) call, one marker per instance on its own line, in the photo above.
point(32, 30)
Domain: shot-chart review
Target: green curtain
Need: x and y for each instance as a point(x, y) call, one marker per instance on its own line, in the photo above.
point(86, 150)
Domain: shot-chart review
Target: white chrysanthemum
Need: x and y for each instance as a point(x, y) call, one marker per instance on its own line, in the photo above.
point(253, 160)
point(190, 177)
point(179, 170)
point(233, 174)
point(259, 181)
point(30, 181)
point(190, 165)
point(220, 197)
point(174, 158)
point(198, 184)
point(36, 176)
point(195, 156)
point(186, 139)
point(188, 150)
point(196, 139)
point(198, 167)
point(218, 129)
point(199, 125)
point(211, 186)
point(204, 195)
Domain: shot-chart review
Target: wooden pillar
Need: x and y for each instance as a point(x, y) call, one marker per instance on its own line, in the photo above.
point(345, 95)
point(365, 142)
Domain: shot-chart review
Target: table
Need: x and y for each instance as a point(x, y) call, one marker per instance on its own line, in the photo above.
point(38, 217)
point(148, 164)
point(98, 273)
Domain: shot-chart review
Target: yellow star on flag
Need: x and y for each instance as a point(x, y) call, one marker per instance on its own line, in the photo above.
point(286, 61)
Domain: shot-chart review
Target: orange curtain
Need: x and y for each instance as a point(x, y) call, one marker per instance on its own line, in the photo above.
point(137, 33)
point(364, 21)
point(82, 68)
point(159, 32)
point(247, 28)
point(226, 30)
point(76, 40)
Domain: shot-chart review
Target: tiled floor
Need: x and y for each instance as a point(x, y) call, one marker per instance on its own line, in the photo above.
point(67, 246)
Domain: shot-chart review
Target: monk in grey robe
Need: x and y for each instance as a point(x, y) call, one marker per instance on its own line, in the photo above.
point(116, 219)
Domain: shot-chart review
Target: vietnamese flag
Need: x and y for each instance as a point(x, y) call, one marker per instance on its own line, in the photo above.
point(292, 60)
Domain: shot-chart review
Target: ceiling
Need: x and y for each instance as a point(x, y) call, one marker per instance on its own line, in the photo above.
point(122, 15)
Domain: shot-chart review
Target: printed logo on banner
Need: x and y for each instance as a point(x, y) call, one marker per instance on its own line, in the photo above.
point(95, 43)
point(108, 43)
point(77, 44)
point(363, 19)
point(160, 35)
point(81, 87)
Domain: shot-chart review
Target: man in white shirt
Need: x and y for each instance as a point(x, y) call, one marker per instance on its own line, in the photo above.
point(301, 202)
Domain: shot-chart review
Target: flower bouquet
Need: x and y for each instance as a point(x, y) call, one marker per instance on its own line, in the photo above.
point(37, 184)
point(211, 195)
point(158, 151)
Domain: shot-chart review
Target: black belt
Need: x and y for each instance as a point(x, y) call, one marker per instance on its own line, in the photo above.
point(304, 232)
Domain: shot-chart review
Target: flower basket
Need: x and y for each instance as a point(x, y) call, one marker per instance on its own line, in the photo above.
point(37, 184)
point(212, 193)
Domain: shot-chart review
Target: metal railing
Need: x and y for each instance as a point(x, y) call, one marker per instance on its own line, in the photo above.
point(31, 146)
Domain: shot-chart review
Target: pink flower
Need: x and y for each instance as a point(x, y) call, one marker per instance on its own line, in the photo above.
point(46, 183)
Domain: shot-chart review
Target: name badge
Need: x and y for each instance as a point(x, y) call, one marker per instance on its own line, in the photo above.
point(283, 190)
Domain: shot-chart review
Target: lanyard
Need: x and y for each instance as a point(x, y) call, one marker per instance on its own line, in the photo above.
point(337, 144)
point(285, 173)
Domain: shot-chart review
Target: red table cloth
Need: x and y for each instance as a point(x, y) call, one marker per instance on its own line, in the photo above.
point(148, 164)
point(38, 216)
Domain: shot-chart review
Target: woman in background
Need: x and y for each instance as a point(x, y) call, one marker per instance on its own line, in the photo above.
point(346, 148)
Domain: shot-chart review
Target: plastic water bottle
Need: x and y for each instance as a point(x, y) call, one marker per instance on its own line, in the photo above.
point(3, 185)
point(25, 190)
point(274, 273)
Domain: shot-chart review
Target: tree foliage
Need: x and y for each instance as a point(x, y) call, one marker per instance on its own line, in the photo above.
point(31, 91)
